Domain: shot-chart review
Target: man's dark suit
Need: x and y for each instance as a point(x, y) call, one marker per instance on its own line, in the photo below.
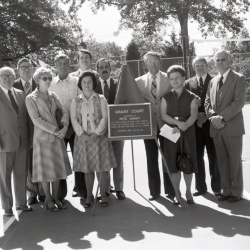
point(117, 145)
point(203, 140)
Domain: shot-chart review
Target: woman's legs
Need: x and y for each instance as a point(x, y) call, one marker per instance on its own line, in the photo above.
point(55, 189)
point(101, 176)
point(176, 178)
point(89, 180)
point(46, 189)
point(188, 180)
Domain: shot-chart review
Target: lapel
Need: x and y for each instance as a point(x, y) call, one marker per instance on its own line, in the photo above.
point(98, 88)
point(5, 100)
point(205, 85)
point(147, 89)
point(19, 85)
point(226, 85)
point(162, 86)
point(112, 91)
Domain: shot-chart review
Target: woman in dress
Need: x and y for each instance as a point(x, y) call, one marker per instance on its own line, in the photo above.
point(92, 151)
point(179, 110)
point(50, 159)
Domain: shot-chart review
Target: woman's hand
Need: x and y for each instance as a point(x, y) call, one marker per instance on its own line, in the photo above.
point(92, 138)
point(175, 130)
point(62, 132)
point(182, 125)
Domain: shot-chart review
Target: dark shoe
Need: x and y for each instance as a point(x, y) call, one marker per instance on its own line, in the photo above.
point(176, 202)
point(8, 212)
point(197, 193)
point(170, 196)
point(24, 208)
point(190, 202)
point(32, 201)
point(88, 201)
point(104, 201)
point(60, 205)
point(50, 205)
point(217, 194)
point(41, 198)
point(154, 197)
point(233, 199)
point(223, 197)
point(120, 195)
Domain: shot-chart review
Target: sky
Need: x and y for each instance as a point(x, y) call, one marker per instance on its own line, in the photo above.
point(103, 25)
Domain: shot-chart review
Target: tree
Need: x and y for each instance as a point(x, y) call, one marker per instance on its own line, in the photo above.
point(213, 17)
point(28, 26)
point(133, 52)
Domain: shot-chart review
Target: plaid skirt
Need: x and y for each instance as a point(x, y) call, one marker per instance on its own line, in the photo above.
point(97, 157)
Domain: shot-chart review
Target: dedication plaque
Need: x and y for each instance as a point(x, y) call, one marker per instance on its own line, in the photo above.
point(129, 121)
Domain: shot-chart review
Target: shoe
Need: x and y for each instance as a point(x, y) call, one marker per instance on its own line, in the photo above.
point(170, 196)
point(120, 195)
point(233, 199)
point(104, 201)
point(32, 201)
point(24, 208)
point(223, 197)
point(190, 202)
point(176, 202)
point(75, 193)
point(217, 194)
point(154, 197)
point(88, 201)
point(50, 205)
point(8, 212)
point(41, 198)
point(197, 193)
point(60, 205)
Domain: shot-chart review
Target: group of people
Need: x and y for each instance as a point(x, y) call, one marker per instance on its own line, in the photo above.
point(42, 115)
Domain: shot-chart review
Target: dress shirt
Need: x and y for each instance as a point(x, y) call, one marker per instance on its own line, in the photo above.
point(7, 95)
point(150, 77)
point(88, 115)
point(65, 89)
point(102, 83)
point(224, 76)
point(30, 82)
point(203, 79)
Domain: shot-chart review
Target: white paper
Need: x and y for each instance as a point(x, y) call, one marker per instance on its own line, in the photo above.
point(167, 132)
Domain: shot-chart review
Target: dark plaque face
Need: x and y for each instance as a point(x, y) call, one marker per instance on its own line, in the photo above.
point(129, 121)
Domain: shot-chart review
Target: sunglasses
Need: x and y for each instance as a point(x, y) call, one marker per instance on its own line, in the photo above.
point(46, 78)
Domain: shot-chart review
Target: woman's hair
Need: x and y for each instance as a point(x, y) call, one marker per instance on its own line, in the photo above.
point(41, 71)
point(84, 74)
point(176, 68)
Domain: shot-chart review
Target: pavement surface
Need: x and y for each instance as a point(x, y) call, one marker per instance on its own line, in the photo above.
point(136, 223)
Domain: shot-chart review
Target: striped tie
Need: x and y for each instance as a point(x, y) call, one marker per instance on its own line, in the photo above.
point(154, 87)
point(27, 88)
point(200, 87)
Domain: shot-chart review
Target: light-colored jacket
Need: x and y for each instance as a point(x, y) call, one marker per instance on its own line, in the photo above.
point(44, 120)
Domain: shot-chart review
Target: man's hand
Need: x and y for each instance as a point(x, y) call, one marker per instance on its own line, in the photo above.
point(197, 101)
point(217, 122)
point(202, 117)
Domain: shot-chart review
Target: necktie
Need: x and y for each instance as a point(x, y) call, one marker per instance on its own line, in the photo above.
point(154, 87)
point(220, 82)
point(106, 90)
point(27, 88)
point(13, 102)
point(200, 87)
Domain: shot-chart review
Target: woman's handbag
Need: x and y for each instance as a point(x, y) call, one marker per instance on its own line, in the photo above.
point(59, 117)
point(184, 163)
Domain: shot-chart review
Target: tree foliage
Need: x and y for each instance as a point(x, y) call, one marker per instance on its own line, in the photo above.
point(133, 52)
point(28, 26)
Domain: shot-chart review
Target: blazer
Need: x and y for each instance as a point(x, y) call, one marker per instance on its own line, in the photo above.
point(13, 126)
point(144, 87)
point(18, 84)
point(192, 85)
point(44, 120)
point(227, 102)
point(112, 90)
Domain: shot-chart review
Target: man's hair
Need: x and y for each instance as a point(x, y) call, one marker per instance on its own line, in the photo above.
point(102, 59)
point(60, 56)
point(85, 51)
point(152, 53)
point(199, 58)
point(23, 60)
point(176, 68)
point(7, 68)
point(229, 56)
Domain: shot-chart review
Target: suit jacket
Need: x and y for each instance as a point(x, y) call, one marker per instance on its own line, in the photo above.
point(192, 85)
point(112, 90)
point(13, 126)
point(44, 119)
point(227, 102)
point(144, 87)
point(18, 84)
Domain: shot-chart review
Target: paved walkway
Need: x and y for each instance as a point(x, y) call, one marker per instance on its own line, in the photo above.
point(136, 223)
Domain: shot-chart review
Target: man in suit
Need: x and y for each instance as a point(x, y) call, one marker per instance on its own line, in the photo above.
point(65, 87)
point(153, 86)
point(27, 84)
point(14, 143)
point(84, 59)
point(225, 99)
point(198, 85)
point(107, 86)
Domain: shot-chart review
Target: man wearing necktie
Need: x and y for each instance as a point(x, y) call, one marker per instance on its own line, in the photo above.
point(224, 102)
point(107, 86)
point(27, 84)
point(198, 85)
point(153, 86)
point(14, 143)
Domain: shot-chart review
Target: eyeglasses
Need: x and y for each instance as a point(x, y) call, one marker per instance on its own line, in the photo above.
point(26, 67)
point(7, 76)
point(45, 78)
point(153, 62)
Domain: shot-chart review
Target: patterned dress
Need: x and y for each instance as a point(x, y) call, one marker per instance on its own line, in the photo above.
point(180, 107)
point(50, 159)
point(87, 116)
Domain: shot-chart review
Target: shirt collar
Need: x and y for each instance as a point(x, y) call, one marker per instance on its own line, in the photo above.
point(157, 75)
point(102, 81)
point(203, 78)
point(91, 97)
point(57, 79)
point(6, 90)
point(23, 82)
point(225, 75)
